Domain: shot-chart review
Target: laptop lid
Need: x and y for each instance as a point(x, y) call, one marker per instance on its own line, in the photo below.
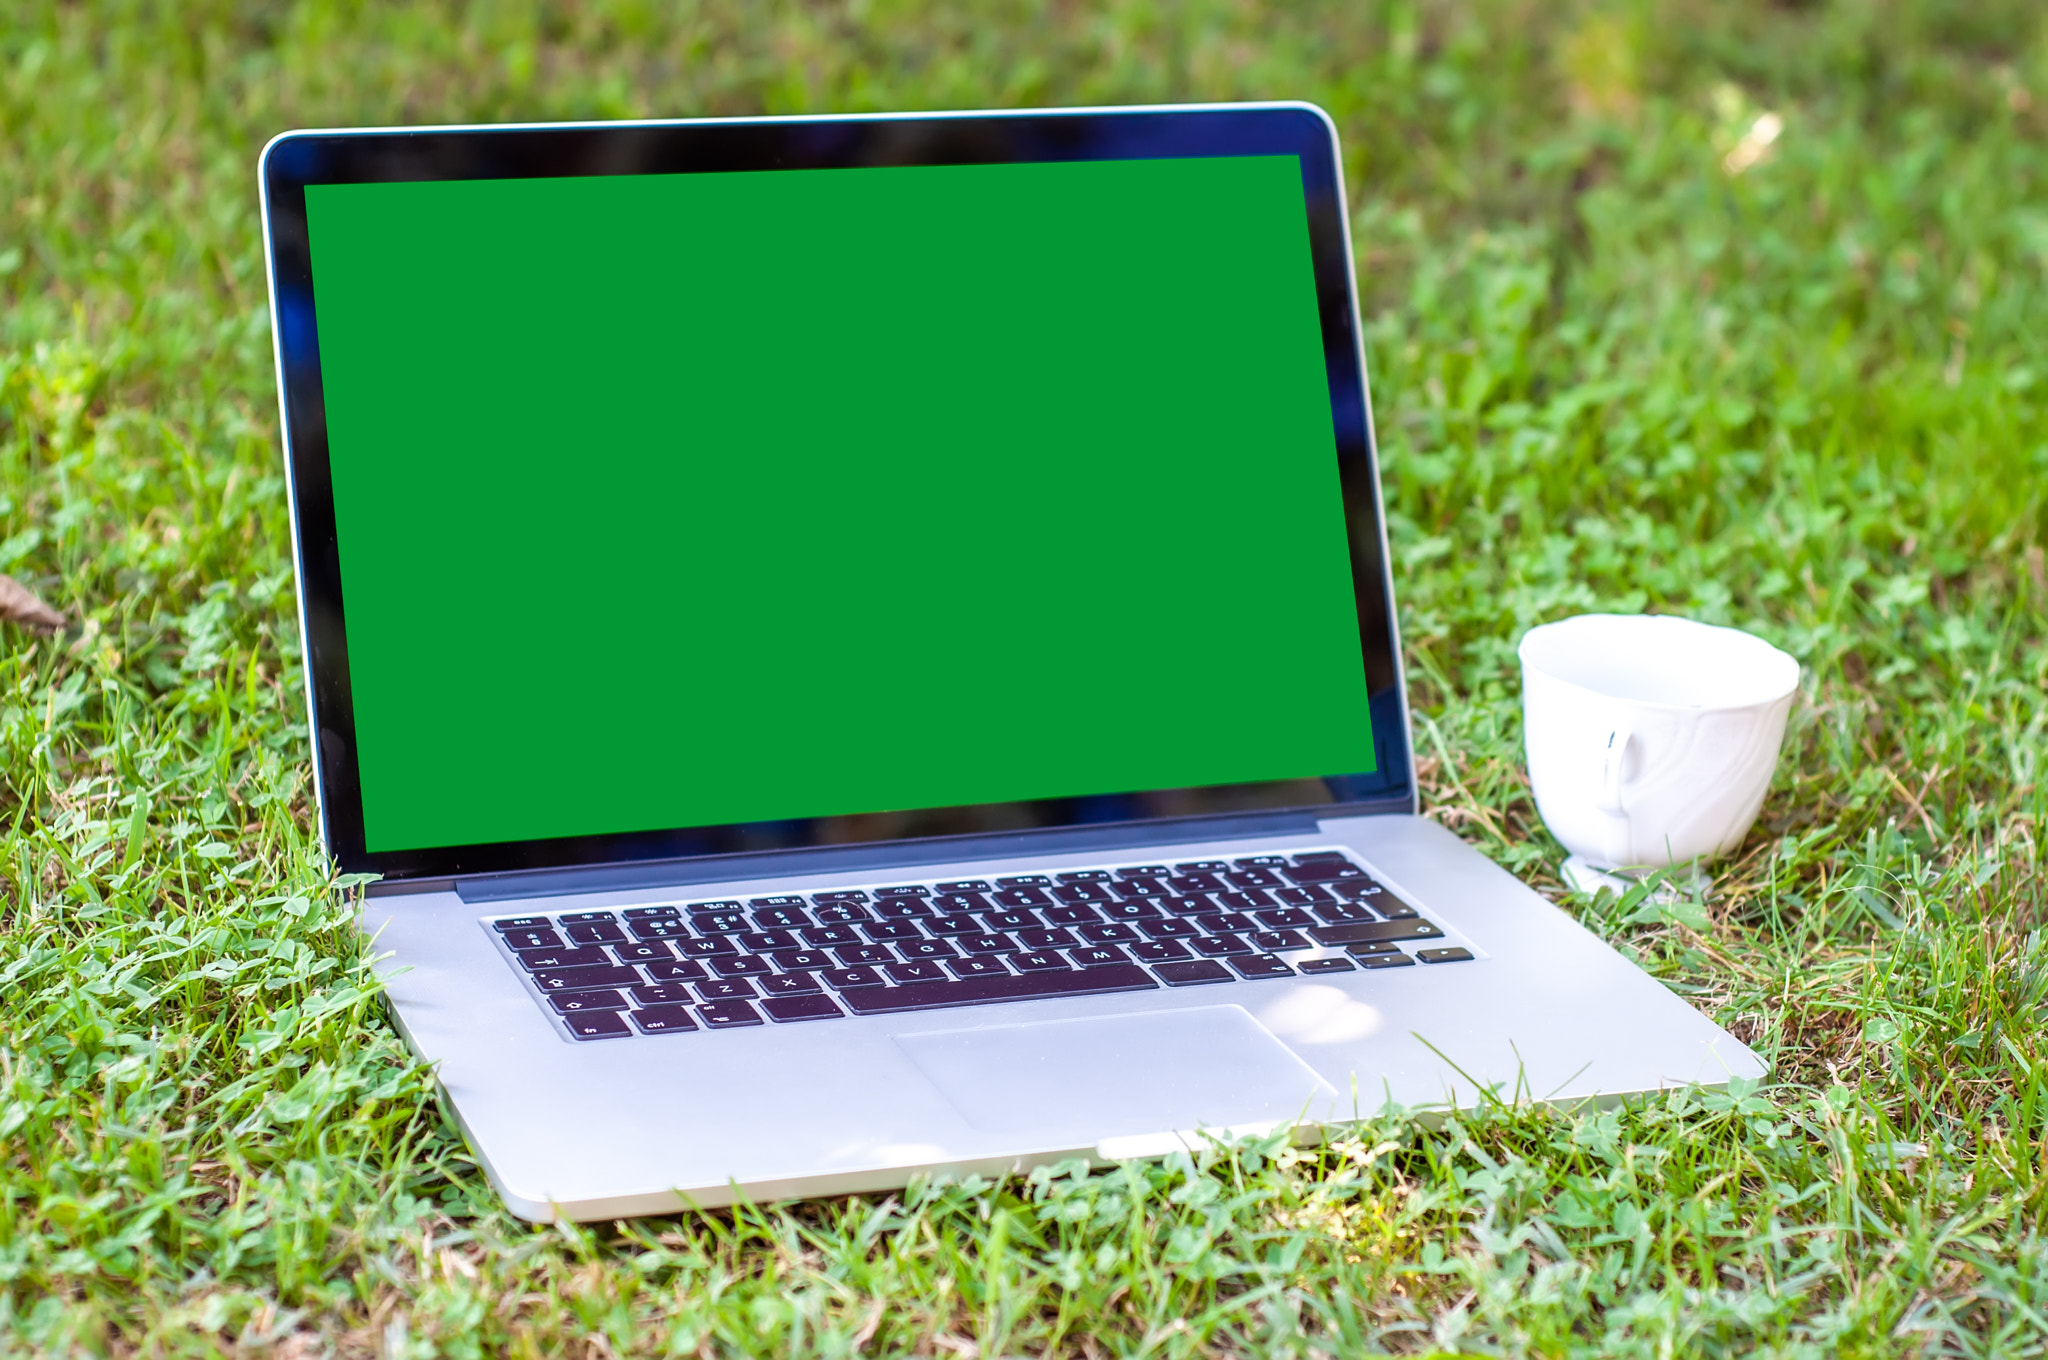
point(680, 489)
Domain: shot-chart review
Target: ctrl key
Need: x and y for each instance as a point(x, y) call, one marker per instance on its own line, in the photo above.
point(728, 1014)
point(597, 1025)
point(663, 1019)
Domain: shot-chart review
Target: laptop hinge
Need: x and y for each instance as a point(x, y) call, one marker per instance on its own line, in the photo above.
point(861, 859)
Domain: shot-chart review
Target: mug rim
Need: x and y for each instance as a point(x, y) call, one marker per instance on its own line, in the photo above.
point(1530, 666)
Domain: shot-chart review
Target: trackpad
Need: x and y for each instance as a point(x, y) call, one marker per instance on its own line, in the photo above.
point(1208, 1067)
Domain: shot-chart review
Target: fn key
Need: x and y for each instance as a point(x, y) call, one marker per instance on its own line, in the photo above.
point(597, 1025)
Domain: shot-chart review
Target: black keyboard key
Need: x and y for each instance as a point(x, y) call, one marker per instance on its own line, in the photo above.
point(1075, 893)
point(1192, 974)
point(1010, 920)
point(985, 965)
point(903, 908)
point(788, 984)
point(1020, 897)
point(511, 923)
point(1312, 966)
point(1395, 960)
point(572, 1003)
point(913, 890)
point(1225, 922)
point(656, 952)
point(1323, 871)
point(1169, 929)
point(1110, 932)
point(663, 994)
point(839, 898)
point(1132, 911)
point(581, 918)
point(1196, 883)
point(765, 941)
point(778, 900)
point(792, 1008)
point(587, 979)
point(1037, 961)
point(652, 913)
point(885, 931)
point(728, 1015)
point(1127, 977)
point(1219, 946)
point(741, 965)
point(1355, 931)
point(1243, 901)
point(922, 970)
point(1302, 897)
point(1084, 876)
point(825, 937)
point(697, 908)
point(1024, 881)
point(965, 885)
point(689, 970)
point(1251, 876)
point(926, 949)
point(533, 939)
point(781, 918)
point(863, 955)
point(554, 960)
point(1337, 913)
point(598, 1025)
point(708, 947)
point(801, 960)
point(841, 913)
point(1140, 888)
point(1195, 904)
point(723, 989)
point(1257, 966)
point(1262, 861)
point(1045, 938)
point(1145, 871)
point(839, 979)
point(953, 925)
point(1272, 941)
point(1312, 856)
point(1072, 916)
point(1159, 951)
point(1285, 918)
point(721, 923)
point(952, 904)
point(660, 930)
point(1098, 956)
point(986, 944)
point(663, 1020)
point(1391, 907)
point(1365, 947)
point(1449, 954)
point(1201, 866)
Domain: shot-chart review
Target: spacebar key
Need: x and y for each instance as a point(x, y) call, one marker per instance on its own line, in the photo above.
point(924, 996)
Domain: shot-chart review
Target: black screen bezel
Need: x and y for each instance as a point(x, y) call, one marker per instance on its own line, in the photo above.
point(295, 160)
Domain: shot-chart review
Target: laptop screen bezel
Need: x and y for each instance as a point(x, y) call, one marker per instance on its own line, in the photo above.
point(295, 160)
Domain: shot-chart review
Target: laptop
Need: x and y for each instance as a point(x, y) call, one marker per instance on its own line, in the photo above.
point(863, 648)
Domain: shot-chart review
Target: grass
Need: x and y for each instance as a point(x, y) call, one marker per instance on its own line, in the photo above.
point(1625, 355)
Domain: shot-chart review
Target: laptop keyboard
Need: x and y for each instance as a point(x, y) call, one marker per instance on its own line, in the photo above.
point(901, 947)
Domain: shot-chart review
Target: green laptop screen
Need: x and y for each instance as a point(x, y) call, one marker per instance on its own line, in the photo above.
point(669, 501)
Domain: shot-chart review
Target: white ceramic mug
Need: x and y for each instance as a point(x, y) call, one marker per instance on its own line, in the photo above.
point(1651, 739)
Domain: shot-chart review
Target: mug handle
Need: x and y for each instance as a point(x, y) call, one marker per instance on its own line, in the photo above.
point(1618, 829)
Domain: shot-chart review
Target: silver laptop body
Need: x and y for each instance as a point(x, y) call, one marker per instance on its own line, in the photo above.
point(633, 1022)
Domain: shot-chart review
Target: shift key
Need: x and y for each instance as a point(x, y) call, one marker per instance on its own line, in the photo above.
point(584, 979)
point(1355, 932)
